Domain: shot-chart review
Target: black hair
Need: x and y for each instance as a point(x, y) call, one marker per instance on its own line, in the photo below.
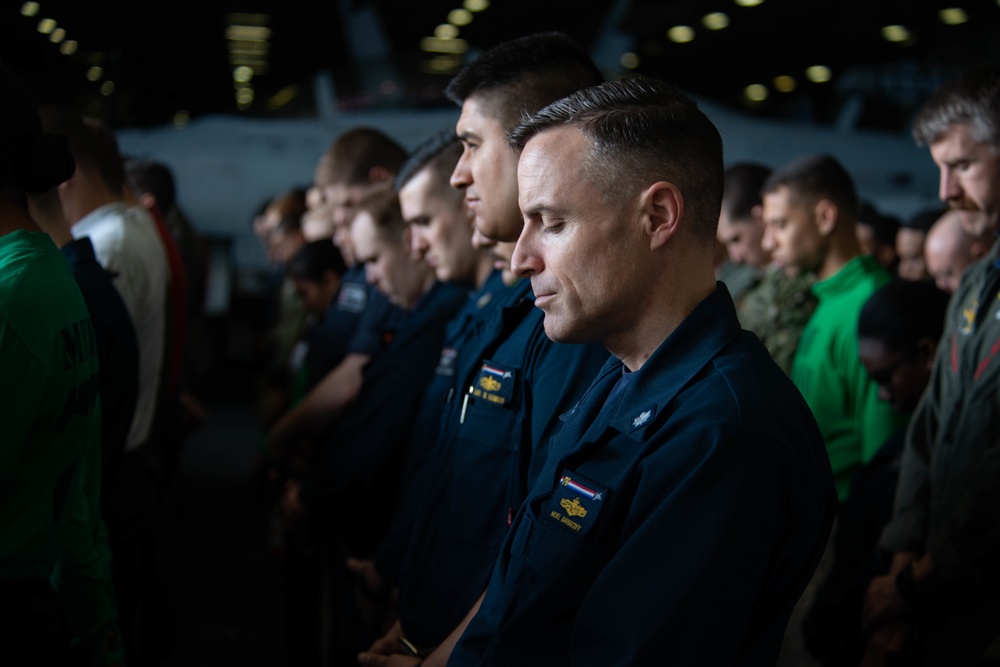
point(442, 150)
point(817, 176)
point(520, 76)
point(884, 226)
point(155, 178)
point(31, 161)
point(92, 144)
point(903, 312)
point(314, 259)
point(741, 191)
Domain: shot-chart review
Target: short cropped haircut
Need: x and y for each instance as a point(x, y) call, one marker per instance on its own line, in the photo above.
point(383, 207)
point(314, 259)
point(902, 312)
point(972, 99)
point(440, 152)
point(520, 76)
point(817, 177)
point(351, 157)
point(642, 131)
point(93, 145)
point(741, 191)
point(155, 178)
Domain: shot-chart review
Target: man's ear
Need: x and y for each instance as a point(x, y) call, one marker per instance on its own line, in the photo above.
point(826, 213)
point(757, 213)
point(379, 174)
point(661, 209)
point(147, 200)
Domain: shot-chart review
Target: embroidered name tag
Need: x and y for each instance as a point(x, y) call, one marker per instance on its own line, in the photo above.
point(576, 503)
point(353, 297)
point(495, 383)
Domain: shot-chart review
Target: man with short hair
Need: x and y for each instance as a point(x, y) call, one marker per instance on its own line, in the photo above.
point(511, 382)
point(910, 240)
point(778, 306)
point(941, 596)
point(949, 250)
point(810, 209)
point(687, 498)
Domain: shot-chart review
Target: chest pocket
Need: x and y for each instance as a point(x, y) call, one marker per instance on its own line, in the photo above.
point(486, 459)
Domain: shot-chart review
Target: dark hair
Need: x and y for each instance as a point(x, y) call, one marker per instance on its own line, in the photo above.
point(93, 145)
point(819, 177)
point(741, 189)
point(440, 151)
point(884, 227)
point(642, 130)
point(972, 98)
point(352, 156)
point(31, 160)
point(520, 76)
point(923, 220)
point(314, 259)
point(903, 312)
point(382, 205)
point(155, 178)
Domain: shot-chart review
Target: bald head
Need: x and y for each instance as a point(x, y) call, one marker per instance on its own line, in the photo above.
point(949, 249)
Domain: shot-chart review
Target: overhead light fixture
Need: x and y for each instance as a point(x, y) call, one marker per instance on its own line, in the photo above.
point(441, 65)
point(30, 9)
point(182, 118)
point(681, 34)
point(954, 15)
point(107, 88)
point(755, 92)
point(715, 21)
point(57, 35)
point(784, 84)
point(435, 45)
point(242, 74)
point(46, 26)
point(480, 5)
point(244, 95)
point(446, 31)
point(819, 73)
point(895, 33)
point(629, 60)
point(749, 3)
point(254, 33)
point(460, 17)
point(249, 46)
point(68, 47)
point(95, 73)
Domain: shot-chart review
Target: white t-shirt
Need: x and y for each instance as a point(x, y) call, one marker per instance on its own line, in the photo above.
point(127, 244)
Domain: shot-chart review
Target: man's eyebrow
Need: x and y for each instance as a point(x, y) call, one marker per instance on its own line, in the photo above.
point(538, 210)
point(465, 136)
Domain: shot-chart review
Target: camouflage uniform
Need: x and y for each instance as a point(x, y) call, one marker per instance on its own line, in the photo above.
point(777, 310)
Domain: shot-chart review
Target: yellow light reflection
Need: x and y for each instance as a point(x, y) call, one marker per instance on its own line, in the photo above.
point(182, 118)
point(784, 84)
point(242, 74)
point(94, 73)
point(629, 60)
point(446, 31)
point(460, 17)
point(68, 47)
point(57, 35)
point(895, 33)
point(107, 88)
point(480, 5)
point(250, 32)
point(819, 74)
point(749, 3)
point(681, 34)
point(46, 26)
point(434, 45)
point(715, 21)
point(954, 16)
point(30, 9)
point(755, 92)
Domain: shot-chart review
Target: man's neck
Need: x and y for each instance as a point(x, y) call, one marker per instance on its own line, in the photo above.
point(84, 201)
point(484, 267)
